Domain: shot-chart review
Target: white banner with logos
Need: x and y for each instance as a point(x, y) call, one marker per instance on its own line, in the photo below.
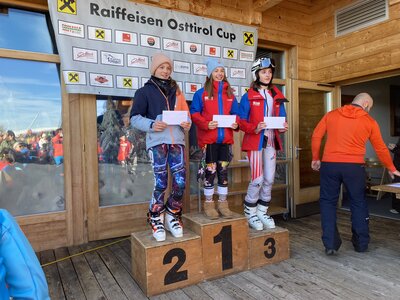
point(106, 46)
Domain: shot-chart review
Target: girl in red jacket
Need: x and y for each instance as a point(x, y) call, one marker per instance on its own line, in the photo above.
point(216, 98)
point(262, 100)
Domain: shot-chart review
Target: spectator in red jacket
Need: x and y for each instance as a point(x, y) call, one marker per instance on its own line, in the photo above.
point(58, 151)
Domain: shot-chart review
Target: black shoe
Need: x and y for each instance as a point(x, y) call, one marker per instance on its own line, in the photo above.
point(360, 250)
point(330, 252)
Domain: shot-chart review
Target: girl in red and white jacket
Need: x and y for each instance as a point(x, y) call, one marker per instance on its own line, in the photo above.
point(262, 100)
point(216, 98)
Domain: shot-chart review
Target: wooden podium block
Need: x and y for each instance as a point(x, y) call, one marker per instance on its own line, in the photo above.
point(224, 243)
point(159, 267)
point(268, 246)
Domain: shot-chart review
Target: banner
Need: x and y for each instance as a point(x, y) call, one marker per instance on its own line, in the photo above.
point(106, 46)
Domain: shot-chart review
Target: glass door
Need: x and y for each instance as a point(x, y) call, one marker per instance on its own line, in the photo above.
point(312, 101)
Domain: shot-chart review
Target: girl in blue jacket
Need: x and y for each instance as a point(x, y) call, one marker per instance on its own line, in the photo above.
point(164, 143)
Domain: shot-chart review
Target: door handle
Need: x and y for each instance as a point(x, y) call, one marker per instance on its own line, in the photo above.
point(297, 150)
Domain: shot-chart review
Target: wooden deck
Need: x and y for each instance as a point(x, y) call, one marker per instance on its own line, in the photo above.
point(309, 274)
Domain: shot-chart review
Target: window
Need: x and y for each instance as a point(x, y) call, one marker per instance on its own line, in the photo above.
point(125, 172)
point(31, 137)
point(27, 31)
point(31, 149)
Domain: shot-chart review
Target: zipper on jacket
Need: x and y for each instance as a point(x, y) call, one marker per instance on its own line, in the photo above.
point(221, 130)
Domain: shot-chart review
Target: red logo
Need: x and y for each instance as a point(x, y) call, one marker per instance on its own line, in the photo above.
point(126, 37)
point(213, 51)
point(193, 48)
point(101, 79)
point(151, 41)
point(193, 87)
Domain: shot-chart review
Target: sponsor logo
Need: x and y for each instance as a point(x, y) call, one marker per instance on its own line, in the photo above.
point(99, 34)
point(101, 79)
point(212, 51)
point(138, 61)
point(70, 29)
point(235, 90)
point(74, 77)
point(66, 6)
point(172, 45)
point(85, 55)
point(181, 67)
point(193, 48)
point(126, 37)
point(127, 82)
point(151, 41)
point(256, 103)
point(192, 87)
point(247, 56)
point(238, 73)
point(248, 38)
point(110, 58)
point(199, 69)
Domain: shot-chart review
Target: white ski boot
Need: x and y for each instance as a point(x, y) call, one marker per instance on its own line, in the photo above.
point(156, 221)
point(265, 219)
point(173, 222)
point(252, 219)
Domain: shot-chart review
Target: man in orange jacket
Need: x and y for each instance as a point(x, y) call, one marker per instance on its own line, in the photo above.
point(348, 129)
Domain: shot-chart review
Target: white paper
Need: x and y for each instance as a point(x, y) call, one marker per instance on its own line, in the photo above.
point(225, 120)
point(274, 122)
point(174, 117)
point(394, 185)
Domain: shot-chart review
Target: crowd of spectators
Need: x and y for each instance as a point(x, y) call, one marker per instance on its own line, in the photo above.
point(31, 147)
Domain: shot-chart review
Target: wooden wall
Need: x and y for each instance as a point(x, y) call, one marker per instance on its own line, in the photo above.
point(371, 50)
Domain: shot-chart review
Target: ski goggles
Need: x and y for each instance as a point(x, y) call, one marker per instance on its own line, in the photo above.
point(266, 63)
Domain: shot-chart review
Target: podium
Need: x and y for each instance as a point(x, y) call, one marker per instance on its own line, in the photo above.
point(208, 249)
point(159, 267)
point(224, 243)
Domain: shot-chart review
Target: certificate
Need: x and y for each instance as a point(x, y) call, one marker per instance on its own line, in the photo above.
point(174, 117)
point(275, 122)
point(225, 120)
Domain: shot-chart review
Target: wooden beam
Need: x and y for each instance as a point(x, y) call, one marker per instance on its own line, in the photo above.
point(263, 5)
point(32, 5)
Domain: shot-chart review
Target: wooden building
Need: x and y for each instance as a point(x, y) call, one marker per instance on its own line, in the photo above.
point(316, 60)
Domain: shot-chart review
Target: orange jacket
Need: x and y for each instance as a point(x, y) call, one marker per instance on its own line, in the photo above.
point(348, 129)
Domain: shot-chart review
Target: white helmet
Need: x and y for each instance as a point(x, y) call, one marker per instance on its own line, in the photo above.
point(262, 63)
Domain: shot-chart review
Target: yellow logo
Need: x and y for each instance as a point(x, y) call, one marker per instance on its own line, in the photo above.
point(73, 77)
point(248, 38)
point(66, 6)
point(127, 82)
point(230, 53)
point(100, 34)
